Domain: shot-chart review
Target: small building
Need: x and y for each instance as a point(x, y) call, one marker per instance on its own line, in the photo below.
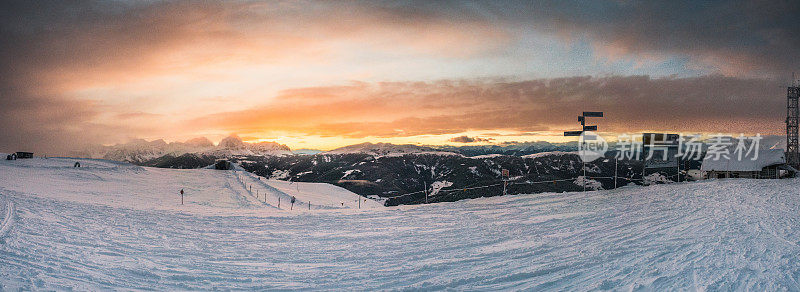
point(770, 163)
point(22, 155)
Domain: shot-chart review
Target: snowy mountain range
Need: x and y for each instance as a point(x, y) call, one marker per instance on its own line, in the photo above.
point(384, 171)
point(387, 171)
point(140, 151)
point(387, 149)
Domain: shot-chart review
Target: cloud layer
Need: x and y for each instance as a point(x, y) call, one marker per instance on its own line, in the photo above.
point(84, 72)
point(468, 139)
point(631, 103)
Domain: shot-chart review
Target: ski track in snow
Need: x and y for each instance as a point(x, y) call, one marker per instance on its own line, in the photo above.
point(711, 235)
point(7, 220)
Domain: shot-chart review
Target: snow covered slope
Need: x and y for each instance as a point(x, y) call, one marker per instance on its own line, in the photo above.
point(119, 184)
point(711, 235)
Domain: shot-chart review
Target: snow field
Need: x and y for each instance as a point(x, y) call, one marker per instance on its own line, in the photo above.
point(206, 191)
point(712, 235)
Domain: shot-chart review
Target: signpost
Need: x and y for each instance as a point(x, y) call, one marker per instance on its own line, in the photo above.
point(582, 120)
point(592, 114)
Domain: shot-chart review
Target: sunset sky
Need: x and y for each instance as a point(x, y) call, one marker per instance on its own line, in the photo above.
point(332, 73)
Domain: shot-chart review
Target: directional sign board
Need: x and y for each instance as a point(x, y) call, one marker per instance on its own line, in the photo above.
point(573, 133)
point(590, 128)
point(659, 139)
point(664, 148)
point(593, 114)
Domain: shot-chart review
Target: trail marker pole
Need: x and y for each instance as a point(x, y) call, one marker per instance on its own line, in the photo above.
point(181, 196)
point(309, 205)
point(425, 184)
point(359, 203)
point(279, 201)
point(643, 167)
point(506, 175)
point(616, 161)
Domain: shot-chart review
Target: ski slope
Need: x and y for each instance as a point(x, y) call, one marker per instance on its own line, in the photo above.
point(206, 191)
point(712, 235)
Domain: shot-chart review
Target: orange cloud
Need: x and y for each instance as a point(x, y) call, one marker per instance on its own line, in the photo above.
point(635, 103)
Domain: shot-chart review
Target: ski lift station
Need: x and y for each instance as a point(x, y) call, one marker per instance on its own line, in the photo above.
point(770, 163)
point(24, 155)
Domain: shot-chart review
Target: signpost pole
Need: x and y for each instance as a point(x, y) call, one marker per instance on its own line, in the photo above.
point(584, 175)
point(583, 146)
point(616, 161)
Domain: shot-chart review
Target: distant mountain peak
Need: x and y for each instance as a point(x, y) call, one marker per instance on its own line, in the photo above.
point(231, 142)
point(199, 142)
